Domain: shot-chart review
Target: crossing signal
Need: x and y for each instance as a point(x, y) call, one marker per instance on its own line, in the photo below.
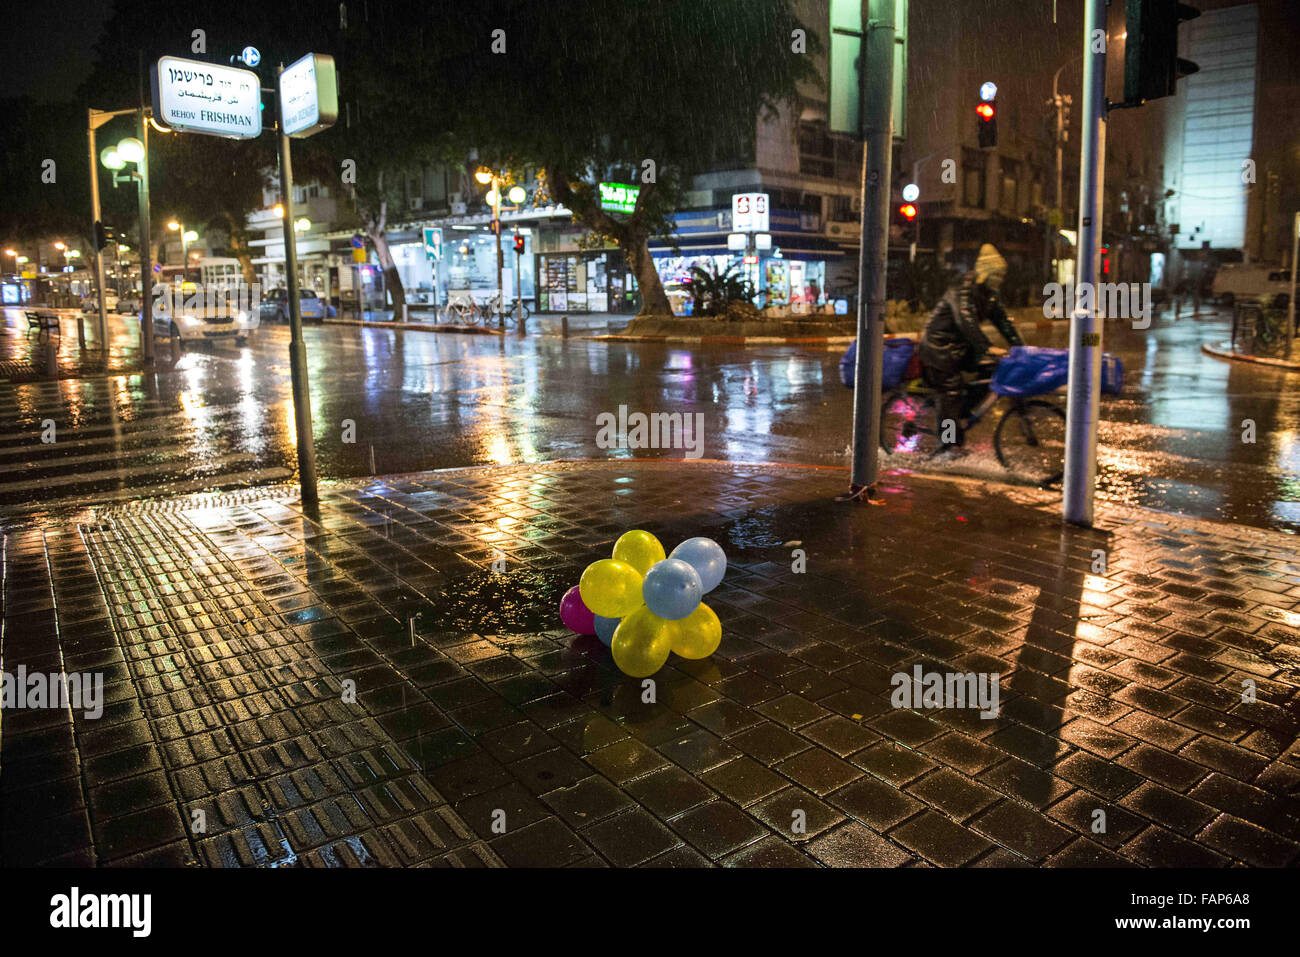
point(1152, 66)
point(988, 124)
point(907, 211)
point(519, 244)
point(101, 235)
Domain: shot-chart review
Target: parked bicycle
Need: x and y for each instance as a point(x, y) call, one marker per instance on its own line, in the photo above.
point(1029, 438)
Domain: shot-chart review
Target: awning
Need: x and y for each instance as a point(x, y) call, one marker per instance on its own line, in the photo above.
point(802, 246)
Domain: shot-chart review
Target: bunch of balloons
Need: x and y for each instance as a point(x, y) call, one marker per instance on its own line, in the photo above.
point(643, 604)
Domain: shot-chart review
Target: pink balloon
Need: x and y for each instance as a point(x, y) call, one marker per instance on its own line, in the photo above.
point(575, 615)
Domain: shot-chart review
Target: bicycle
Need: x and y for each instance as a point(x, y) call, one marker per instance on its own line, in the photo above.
point(1029, 438)
point(459, 311)
point(493, 316)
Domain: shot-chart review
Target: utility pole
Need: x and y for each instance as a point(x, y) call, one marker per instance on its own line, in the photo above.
point(496, 228)
point(146, 253)
point(297, 349)
point(1085, 331)
point(877, 117)
point(96, 227)
point(1290, 306)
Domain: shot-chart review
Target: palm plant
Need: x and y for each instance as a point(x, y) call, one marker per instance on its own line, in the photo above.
point(713, 290)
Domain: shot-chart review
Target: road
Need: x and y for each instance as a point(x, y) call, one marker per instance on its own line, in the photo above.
point(222, 417)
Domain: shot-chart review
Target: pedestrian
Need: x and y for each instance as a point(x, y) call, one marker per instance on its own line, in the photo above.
point(953, 345)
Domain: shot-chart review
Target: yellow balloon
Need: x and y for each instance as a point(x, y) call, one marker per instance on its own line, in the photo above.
point(611, 589)
point(641, 643)
point(697, 635)
point(639, 549)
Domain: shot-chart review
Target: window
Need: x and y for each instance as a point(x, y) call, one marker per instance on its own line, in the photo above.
point(1009, 195)
point(816, 151)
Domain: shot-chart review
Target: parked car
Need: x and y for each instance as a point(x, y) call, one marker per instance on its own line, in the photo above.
point(202, 324)
point(1269, 284)
point(275, 306)
point(129, 305)
point(91, 303)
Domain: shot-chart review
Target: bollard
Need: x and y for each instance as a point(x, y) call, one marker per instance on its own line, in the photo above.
point(564, 326)
point(81, 331)
point(405, 317)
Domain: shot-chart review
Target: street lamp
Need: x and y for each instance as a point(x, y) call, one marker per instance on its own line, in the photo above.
point(493, 197)
point(134, 151)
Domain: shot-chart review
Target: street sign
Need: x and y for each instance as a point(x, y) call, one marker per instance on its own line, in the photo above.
point(196, 97)
point(619, 197)
point(433, 242)
point(845, 68)
point(763, 241)
point(358, 255)
point(309, 95)
point(750, 213)
point(737, 241)
point(358, 241)
point(251, 56)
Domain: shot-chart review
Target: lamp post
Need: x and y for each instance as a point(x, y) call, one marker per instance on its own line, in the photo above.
point(486, 176)
point(135, 151)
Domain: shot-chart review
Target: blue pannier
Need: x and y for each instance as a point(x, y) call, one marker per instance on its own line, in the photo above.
point(898, 353)
point(1035, 370)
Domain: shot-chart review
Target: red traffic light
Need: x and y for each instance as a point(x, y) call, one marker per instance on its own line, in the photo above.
point(519, 244)
point(985, 111)
point(908, 211)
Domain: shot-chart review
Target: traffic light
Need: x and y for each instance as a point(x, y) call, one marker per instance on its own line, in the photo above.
point(988, 124)
point(101, 235)
point(1105, 259)
point(907, 214)
point(1152, 66)
point(519, 244)
point(495, 227)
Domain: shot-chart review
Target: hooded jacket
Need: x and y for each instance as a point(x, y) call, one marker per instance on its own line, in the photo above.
point(952, 339)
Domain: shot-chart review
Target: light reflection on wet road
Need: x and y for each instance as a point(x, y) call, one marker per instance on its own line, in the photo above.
point(222, 416)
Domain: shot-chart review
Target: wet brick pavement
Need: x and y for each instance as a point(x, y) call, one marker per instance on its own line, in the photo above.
point(230, 630)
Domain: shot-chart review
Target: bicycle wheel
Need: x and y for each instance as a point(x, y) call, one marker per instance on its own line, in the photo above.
point(1030, 441)
point(908, 425)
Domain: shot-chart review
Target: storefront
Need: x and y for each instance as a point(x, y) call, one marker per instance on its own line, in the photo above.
point(579, 282)
point(468, 264)
point(796, 279)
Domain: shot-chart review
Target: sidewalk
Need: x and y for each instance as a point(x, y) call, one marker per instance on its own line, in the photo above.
point(30, 356)
point(231, 630)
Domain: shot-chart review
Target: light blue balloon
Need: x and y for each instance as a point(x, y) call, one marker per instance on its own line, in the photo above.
point(706, 557)
point(605, 628)
point(672, 589)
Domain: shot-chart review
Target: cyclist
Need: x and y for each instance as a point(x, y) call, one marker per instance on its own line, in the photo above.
point(953, 344)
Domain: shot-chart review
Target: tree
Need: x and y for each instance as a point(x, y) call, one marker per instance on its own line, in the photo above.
point(651, 92)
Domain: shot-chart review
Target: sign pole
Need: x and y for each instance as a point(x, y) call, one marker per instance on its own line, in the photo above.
point(877, 117)
point(297, 349)
point(146, 248)
point(1084, 387)
point(496, 228)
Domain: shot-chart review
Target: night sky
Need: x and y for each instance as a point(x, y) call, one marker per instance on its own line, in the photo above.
point(47, 47)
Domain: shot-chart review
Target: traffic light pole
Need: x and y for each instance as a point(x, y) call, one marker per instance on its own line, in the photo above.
point(297, 349)
point(1085, 330)
point(877, 113)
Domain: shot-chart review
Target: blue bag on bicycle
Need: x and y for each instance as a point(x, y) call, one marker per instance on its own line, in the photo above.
point(898, 353)
point(1036, 370)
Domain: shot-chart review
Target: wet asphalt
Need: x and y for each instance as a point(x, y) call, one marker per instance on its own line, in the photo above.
point(218, 416)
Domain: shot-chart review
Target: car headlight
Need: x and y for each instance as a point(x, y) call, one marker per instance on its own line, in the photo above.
point(191, 320)
point(241, 317)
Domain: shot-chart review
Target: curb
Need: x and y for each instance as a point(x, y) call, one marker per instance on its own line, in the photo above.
point(417, 326)
point(729, 340)
point(1224, 350)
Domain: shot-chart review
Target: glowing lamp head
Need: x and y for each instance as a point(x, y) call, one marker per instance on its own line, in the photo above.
point(189, 235)
point(111, 160)
point(517, 194)
point(174, 226)
point(988, 90)
point(491, 197)
point(908, 211)
point(985, 111)
point(483, 175)
point(130, 150)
